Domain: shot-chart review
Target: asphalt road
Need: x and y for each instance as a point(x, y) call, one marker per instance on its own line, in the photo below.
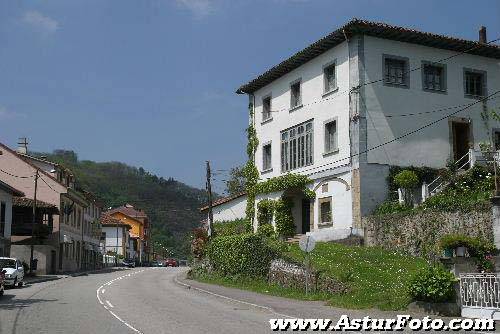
point(141, 300)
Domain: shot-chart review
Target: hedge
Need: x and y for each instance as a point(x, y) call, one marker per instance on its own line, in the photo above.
point(241, 255)
point(230, 227)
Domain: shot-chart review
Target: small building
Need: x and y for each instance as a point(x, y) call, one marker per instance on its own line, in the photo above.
point(228, 208)
point(41, 235)
point(115, 236)
point(6, 198)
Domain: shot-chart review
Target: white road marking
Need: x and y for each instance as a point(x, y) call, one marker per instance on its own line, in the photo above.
point(102, 290)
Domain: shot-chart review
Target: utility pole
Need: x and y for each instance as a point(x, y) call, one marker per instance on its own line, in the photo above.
point(116, 250)
point(33, 222)
point(209, 190)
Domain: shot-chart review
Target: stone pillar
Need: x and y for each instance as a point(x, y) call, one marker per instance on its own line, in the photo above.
point(495, 208)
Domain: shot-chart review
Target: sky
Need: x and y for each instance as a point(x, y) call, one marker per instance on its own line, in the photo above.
point(152, 83)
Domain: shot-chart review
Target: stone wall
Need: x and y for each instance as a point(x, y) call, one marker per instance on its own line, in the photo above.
point(418, 233)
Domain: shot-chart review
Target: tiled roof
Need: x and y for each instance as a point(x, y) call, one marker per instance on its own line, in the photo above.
point(28, 202)
point(107, 220)
point(224, 200)
point(128, 210)
point(375, 29)
point(10, 189)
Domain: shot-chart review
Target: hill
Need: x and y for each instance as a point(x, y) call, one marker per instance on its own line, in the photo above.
point(172, 206)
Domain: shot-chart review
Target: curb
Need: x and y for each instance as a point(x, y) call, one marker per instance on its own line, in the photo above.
point(261, 307)
point(41, 280)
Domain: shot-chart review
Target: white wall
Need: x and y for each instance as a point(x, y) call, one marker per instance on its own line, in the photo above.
point(431, 146)
point(6, 197)
point(333, 105)
point(111, 239)
point(232, 210)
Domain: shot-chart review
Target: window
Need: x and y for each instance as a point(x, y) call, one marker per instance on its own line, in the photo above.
point(496, 139)
point(330, 136)
point(295, 95)
point(2, 218)
point(329, 77)
point(324, 188)
point(474, 83)
point(297, 147)
point(266, 108)
point(266, 157)
point(325, 211)
point(433, 77)
point(396, 71)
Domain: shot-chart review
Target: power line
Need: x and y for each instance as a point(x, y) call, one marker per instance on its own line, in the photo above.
point(404, 135)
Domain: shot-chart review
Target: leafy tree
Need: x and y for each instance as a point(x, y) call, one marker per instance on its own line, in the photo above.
point(236, 182)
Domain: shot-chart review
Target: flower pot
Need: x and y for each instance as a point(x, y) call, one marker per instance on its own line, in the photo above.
point(448, 252)
point(460, 251)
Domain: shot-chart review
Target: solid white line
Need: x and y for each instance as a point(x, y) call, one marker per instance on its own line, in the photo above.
point(110, 305)
point(267, 308)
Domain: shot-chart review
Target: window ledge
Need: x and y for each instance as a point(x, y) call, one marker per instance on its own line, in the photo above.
point(331, 91)
point(326, 154)
point(475, 97)
point(295, 108)
point(326, 224)
point(391, 84)
point(439, 91)
point(266, 171)
point(267, 120)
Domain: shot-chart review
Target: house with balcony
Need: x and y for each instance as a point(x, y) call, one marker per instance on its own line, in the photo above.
point(366, 97)
point(7, 195)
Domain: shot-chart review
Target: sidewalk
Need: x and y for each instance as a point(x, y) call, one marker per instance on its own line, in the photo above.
point(46, 278)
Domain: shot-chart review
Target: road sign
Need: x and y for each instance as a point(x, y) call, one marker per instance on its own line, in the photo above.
point(307, 243)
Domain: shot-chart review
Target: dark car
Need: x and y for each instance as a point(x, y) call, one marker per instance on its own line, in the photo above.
point(129, 263)
point(171, 263)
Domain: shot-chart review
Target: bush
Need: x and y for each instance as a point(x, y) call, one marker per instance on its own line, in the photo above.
point(231, 227)
point(406, 179)
point(283, 217)
point(265, 211)
point(247, 255)
point(199, 243)
point(433, 284)
point(266, 230)
point(452, 241)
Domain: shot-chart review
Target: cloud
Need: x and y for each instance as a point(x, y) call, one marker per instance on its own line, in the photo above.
point(40, 22)
point(199, 8)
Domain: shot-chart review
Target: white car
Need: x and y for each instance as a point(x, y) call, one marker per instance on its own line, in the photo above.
point(14, 271)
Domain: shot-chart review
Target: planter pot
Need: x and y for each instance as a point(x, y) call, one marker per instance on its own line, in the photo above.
point(448, 252)
point(460, 251)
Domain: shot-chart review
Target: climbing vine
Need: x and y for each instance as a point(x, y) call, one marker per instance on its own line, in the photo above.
point(250, 171)
point(284, 182)
point(265, 211)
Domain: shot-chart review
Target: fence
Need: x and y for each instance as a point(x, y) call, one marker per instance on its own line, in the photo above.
point(480, 295)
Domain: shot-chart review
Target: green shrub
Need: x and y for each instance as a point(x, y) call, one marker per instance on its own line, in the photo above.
point(265, 211)
point(247, 255)
point(199, 242)
point(389, 207)
point(424, 174)
point(285, 226)
point(230, 227)
point(433, 284)
point(266, 230)
point(452, 241)
point(406, 179)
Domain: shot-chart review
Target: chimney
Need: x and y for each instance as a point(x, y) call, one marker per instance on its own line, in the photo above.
point(22, 146)
point(482, 35)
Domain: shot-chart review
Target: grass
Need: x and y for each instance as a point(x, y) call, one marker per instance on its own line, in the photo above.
point(378, 278)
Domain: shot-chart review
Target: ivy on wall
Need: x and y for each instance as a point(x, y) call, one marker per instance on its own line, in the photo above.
point(250, 171)
point(265, 211)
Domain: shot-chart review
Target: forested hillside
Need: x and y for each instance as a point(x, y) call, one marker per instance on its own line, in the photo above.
point(171, 205)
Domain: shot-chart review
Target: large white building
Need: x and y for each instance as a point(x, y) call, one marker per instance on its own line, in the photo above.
point(361, 99)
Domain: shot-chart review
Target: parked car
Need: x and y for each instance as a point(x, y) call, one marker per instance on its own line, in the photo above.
point(14, 271)
point(171, 263)
point(129, 263)
point(2, 282)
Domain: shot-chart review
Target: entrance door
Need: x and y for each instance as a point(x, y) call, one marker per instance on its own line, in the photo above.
point(461, 139)
point(306, 216)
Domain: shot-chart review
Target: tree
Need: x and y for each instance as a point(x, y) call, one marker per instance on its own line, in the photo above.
point(236, 182)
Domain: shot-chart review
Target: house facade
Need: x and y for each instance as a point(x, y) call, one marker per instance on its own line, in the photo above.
point(366, 97)
point(115, 236)
point(7, 194)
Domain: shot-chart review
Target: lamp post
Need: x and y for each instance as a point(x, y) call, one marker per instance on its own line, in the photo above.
point(33, 222)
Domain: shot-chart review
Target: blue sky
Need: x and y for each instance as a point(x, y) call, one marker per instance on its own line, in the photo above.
point(151, 83)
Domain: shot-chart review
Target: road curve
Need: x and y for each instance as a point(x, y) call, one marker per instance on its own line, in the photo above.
point(141, 300)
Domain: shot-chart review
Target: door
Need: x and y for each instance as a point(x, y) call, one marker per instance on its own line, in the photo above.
point(461, 139)
point(306, 216)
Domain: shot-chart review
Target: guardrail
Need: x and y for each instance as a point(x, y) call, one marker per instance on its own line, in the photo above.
point(480, 295)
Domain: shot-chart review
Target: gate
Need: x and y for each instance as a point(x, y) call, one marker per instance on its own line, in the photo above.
point(480, 295)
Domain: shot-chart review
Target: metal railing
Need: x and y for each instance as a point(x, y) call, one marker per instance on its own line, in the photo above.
point(439, 183)
point(480, 291)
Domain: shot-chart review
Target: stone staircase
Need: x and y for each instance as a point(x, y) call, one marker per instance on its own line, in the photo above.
point(294, 240)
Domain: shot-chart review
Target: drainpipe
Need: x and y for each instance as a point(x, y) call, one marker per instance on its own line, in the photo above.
point(349, 94)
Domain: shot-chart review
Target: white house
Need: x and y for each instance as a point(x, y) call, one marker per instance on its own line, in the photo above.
point(6, 194)
point(115, 236)
point(365, 97)
point(228, 208)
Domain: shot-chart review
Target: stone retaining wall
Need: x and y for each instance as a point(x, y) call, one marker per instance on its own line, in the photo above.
point(418, 233)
